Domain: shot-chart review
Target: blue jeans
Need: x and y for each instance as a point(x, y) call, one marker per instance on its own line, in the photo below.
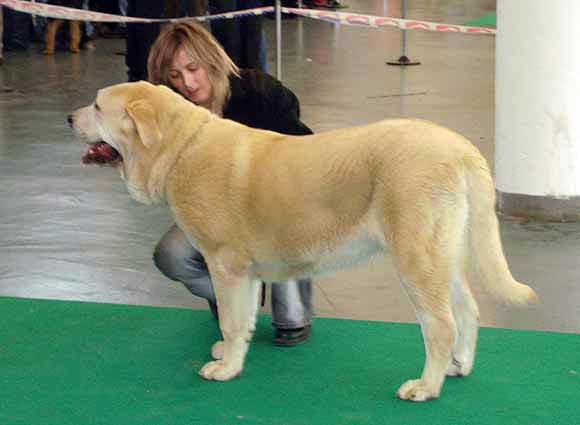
point(181, 261)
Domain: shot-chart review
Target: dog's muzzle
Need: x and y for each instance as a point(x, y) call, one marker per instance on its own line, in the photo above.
point(100, 153)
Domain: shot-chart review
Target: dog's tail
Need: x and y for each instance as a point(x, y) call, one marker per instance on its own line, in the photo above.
point(484, 242)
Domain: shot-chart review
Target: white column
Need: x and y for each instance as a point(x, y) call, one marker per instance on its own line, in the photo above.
point(537, 155)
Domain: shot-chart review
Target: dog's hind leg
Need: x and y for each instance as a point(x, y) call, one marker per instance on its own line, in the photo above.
point(426, 257)
point(237, 298)
point(466, 316)
point(463, 304)
point(438, 327)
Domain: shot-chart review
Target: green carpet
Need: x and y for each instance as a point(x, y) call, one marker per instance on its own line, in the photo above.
point(489, 20)
point(83, 363)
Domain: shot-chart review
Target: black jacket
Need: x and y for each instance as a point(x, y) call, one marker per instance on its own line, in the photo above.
point(259, 100)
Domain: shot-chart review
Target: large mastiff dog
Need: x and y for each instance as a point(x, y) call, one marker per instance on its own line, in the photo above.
point(269, 207)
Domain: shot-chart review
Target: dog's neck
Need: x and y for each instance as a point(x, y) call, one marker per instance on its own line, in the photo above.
point(164, 165)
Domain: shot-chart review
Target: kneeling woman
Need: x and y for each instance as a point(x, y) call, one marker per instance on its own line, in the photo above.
point(188, 59)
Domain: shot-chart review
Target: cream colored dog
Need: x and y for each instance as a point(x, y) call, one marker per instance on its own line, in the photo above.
point(269, 207)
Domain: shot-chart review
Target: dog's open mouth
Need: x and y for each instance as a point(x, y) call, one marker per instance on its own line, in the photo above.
point(101, 153)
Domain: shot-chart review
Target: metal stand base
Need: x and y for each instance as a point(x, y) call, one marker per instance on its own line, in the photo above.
point(404, 61)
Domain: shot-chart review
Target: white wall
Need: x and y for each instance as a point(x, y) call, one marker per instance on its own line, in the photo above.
point(538, 97)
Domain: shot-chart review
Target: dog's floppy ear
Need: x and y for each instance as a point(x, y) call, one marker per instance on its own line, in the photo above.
point(145, 120)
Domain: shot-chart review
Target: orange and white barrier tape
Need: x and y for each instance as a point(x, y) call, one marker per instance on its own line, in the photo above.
point(342, 18)
point(61, 12)
point(385, 21)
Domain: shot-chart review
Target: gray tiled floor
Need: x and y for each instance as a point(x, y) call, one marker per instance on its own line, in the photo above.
point(72, 232)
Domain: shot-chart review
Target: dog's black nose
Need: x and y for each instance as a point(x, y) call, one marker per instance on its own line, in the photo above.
point(70, 120)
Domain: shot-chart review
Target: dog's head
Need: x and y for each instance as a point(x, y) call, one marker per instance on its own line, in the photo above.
point(133, 127)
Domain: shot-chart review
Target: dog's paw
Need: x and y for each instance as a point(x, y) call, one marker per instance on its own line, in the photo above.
point(219, 371)
point(416, 390)
point(217, 350)
point(459, 368)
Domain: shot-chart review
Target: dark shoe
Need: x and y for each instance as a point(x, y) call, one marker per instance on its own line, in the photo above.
point(290, 337)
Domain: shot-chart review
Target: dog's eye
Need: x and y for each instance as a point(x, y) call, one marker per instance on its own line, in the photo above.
point(97, 107)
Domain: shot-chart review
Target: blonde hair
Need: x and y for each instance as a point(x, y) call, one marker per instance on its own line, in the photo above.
point(203, 48)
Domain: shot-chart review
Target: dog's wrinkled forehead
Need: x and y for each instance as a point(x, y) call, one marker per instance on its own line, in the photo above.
point(122, 94)
point(115, 98)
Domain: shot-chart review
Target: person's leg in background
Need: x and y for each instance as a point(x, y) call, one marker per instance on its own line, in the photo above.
point(50, 32)
point(1, 34)
point(194, 7)
point(292, 311)
point(75, 36)
point(111, 29)
point(123, 11)
point(242, 38)
point(252, 37)
point(53, 26)
point(172, 9)
point(75, 29)
point(18, 30)
point(88, 30)
point(140, 37)
point(182, 8)
point(98, 27)
point(227, 31)
point(180, 261)
point(123, 7)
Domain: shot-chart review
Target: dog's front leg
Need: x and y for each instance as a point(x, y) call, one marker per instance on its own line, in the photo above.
point(237, 298)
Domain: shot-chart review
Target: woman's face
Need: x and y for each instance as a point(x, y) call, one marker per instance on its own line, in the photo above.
point(190, 79)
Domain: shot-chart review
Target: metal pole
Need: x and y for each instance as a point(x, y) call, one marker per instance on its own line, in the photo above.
point(403, 59)
point(278, 40)
point(404, 32)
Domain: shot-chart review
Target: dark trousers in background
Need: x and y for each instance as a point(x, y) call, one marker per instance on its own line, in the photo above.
point(105, 29)
point(105, 6)
point(1, 32)
point(180, 8)
point(241, 37)
point(18, 30)
point(140, 37)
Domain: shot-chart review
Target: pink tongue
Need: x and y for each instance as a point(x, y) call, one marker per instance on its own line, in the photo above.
point(102, 149)
point(100, 153)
